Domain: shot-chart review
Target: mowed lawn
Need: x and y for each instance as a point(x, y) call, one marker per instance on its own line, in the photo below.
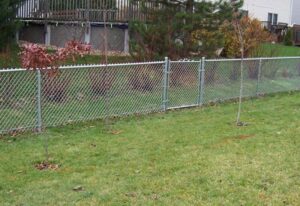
point(185, 157)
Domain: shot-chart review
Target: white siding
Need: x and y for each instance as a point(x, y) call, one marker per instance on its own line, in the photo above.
point(260, 8)
point(296, 12)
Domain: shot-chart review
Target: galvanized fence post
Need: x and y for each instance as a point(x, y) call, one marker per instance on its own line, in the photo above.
point(199, 82)
point(165, 84)
point(38, 101)
point(258, 76)
point(202, 81)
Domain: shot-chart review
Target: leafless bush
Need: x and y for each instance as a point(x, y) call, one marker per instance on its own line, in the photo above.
point(252, 70)
point(235, 72)
point(286, 73)
point(144, 79)
point(210, 73)
point(101, 81)
point(182, 75)
point(55, 89)
point(7, 89)
point(270, 69)
point(298, 69)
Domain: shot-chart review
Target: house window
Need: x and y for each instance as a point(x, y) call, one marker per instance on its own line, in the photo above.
point(275, 19)
point(272, 18)
point(298, 36)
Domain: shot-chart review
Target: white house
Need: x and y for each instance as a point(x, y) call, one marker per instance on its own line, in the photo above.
point(274, 11)
point(295, 17)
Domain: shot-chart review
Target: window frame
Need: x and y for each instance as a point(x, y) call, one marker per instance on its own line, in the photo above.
point(273, 18)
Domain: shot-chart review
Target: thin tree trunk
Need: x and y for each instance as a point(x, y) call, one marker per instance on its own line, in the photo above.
point(106, 75)
point(46, 146)
point(238, 119)
point(189, 7)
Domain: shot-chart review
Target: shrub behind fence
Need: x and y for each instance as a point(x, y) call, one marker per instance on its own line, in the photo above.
point(32, 100)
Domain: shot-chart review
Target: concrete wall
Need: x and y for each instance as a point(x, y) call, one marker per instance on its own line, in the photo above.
point(59, 34)
point(63, 33)
point(116, 38)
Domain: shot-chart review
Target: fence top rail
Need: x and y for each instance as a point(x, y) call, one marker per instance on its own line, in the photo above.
point(5, 70)
point(82, 66)
point(182, 61)
point(109, 65)
point(255, 58)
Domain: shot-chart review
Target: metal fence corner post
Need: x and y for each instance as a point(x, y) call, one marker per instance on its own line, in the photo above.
point(38, 101)
point(202, 82)
point(258, 76)
point(165, 84)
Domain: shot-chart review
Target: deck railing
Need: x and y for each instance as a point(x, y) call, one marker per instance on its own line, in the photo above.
point(82, 10)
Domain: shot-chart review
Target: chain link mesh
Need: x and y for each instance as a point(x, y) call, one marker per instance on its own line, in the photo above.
point(87, 92)
point(279, 75)
point(184, 83)
point(18, 91)
point(81, 94)
point(136, 88)
point(223, 79)
point(72, 96)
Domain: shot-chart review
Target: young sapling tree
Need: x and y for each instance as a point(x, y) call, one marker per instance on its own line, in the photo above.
point(35, 57)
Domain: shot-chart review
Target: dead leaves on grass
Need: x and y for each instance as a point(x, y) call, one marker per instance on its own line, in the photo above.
point(244, 137)
point(46, 166)
point(116, 132)
point(131, 194)
point(78, 188)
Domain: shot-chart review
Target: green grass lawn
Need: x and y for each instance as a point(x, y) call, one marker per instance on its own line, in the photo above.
point(277, 50)
point(188, 157)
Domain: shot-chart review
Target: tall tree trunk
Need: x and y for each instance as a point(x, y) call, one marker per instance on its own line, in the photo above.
point(189, 7)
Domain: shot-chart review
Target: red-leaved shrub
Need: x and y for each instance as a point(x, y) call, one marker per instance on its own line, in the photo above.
point(35, 57)
point(144, 79)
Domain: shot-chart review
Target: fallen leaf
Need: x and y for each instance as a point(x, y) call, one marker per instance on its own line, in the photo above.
point(131, 194)
point(262, 196)
point(116, 132)
point(154, 196)
point(244, 136)
point(45, 166)
point(78, 188)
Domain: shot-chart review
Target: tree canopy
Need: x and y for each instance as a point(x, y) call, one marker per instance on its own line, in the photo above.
point(180, 28)
point(252, 33)
point(8, 25)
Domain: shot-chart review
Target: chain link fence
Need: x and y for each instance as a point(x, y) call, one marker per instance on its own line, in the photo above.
point(32, 100)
